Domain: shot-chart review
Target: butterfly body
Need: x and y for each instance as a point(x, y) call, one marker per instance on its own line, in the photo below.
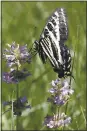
point(51, 43)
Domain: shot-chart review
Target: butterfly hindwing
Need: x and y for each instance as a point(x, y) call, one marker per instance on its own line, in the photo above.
point(48, 51)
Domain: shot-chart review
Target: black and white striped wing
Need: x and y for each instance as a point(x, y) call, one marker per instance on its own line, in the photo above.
point(49, 52)
point(56, 27)
point(51, 42)
point(55, 32)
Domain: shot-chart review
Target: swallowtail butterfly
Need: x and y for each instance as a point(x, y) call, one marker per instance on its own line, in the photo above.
point(51, 43)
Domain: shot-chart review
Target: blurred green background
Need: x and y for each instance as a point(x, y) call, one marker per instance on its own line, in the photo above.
point(23, 22)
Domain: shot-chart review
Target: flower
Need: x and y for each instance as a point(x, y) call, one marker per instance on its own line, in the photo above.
point(60, 92)
point(16, 55)
point(56, 100)
point(54, 83)
point(15, 76)
point(18, 105)
point(57, 121)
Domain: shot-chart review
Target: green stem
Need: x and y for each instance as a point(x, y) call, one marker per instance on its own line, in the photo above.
point(12, 117)
point(57, 110)
point(17, 95)
point(12, 113)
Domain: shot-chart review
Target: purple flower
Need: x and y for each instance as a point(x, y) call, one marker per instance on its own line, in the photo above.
point(60, 92)
point(56, 100)
point(53, 90)
point(54, 83)
point(15, 76)
point(65, 90)
point(57, 121)
point(16, 55)
point(18, 105)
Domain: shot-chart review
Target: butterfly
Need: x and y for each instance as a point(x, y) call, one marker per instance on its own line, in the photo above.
point(51, 43)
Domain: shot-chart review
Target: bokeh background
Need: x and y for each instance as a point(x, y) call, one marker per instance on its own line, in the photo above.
point(23, 23)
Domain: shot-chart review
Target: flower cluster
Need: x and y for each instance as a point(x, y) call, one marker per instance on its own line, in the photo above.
point(15, 76)
point(57, 121)
point(16, 55)
point(18, 105)
point(60, 94)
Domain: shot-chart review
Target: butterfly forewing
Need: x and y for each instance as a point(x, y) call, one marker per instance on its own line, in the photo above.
point(51, 43)
point(56, 26)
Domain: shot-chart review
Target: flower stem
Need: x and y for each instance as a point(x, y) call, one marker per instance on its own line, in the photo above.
point(17, 95)
point(12, 117)
point(12, 114)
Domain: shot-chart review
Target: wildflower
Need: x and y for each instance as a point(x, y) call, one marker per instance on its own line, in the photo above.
point(56, 100)
point(60, 92)
point(54, 83)
point(57, 121)
point(15, 76)
point(16, 55)
point(18, 105)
